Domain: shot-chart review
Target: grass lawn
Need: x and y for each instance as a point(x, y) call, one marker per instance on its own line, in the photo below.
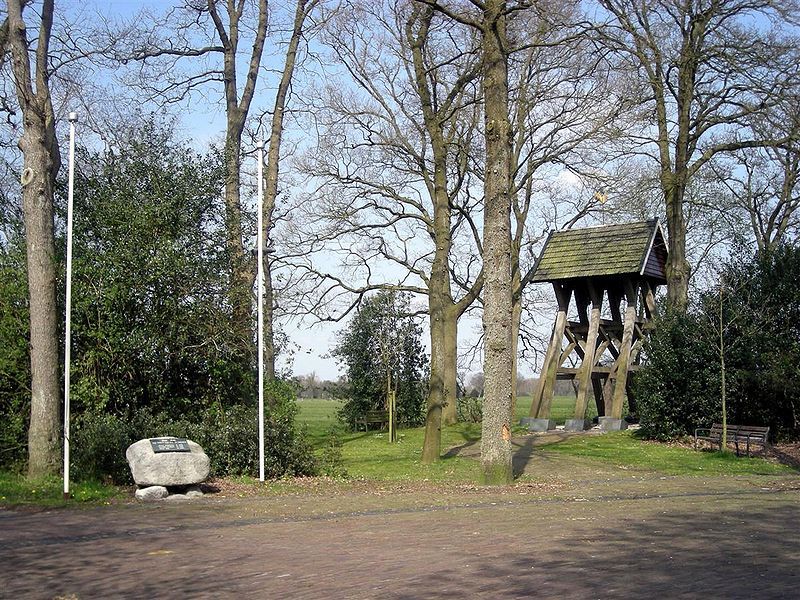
point(370, 455)
point(623, 448)
point(319, 416)
point(563, 408)
point(16, 490)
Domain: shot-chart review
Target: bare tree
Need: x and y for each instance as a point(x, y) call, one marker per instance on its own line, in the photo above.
point(703, 69)
point(497, 301)
point(763, 183)
point(443, 310)
point(196, 48)
point(303, 10)
point(490, 19)
point(393, 161)
point(42, 161)
point(200, 30)
point(564, 106)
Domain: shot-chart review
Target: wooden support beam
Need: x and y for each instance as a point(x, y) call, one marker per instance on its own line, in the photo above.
point(588, 363)
point(543, 394)
point(567, 351)
point(614, 301)
point(608, 389)
point(649, 300)
point(611, 371)
point(601, 348)
point(597, 386)
point(631, 398)
point(577, 341)
point(610, 326)
point(563, 295)
point(582, 300)
point(624, 360)
point(635, 350)
point(609, 340)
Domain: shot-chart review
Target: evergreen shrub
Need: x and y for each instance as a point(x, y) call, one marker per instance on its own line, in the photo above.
point(751, 316)
point(678, 391)
point(229, 435)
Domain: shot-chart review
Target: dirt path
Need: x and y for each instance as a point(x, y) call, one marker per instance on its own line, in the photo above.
point(626, 537)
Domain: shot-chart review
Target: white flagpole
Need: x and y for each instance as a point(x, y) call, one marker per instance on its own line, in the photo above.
point(260, 301)
point(73, 118)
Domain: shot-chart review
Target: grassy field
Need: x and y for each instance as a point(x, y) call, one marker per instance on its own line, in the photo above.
point(15, 489)
point(563, 408)
point(623, 448)
point(319, 415)
point(370, 455)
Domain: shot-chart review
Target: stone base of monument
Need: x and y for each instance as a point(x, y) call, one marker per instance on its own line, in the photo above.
point(612, 424)
point(538, 425)
point(177, 493)
point(576, 425)
point(152, 493)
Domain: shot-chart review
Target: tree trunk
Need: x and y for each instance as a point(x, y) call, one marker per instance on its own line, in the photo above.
point(442, 372)
point(439, 300)
point(41, 162)
point(442, 392)
point(677, 265)
point(436, 391)
point(241, 275)
point(449, 415)
point(242, 272)
point(37, 197)
point(302, 9)
point(516, 319)
point(269, 331)
point(496, 430)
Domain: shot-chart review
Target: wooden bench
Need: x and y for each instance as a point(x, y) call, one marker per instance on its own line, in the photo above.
point(373, 417)
point(737, 434)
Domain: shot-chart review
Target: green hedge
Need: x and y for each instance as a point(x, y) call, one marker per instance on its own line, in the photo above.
point(752, 316)
point(678, 391)
point(228, 435)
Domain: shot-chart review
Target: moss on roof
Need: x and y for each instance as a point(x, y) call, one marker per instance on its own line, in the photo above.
point(600, 251)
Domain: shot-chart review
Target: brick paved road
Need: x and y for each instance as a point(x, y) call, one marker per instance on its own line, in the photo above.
point(632, 538)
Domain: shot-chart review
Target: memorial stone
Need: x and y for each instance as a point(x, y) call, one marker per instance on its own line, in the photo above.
point(151, 464)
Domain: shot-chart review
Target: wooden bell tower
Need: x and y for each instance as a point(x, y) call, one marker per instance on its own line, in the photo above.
point(616, 266)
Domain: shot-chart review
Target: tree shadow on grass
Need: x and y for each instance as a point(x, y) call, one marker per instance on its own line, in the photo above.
point(469, 449)
point(523, 454)
point(353, 436)
point(524, 449)
point(790, 460)
point(471, 446)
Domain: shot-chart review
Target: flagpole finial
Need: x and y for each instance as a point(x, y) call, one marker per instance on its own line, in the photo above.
point(73, 117)
point(260, 144)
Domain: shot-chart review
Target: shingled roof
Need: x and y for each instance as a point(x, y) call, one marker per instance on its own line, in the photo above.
point(609, 250)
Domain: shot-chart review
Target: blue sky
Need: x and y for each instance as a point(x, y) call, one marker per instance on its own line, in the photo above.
point(202, 122)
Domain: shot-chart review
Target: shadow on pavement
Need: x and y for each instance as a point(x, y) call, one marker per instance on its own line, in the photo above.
point(730, 554)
